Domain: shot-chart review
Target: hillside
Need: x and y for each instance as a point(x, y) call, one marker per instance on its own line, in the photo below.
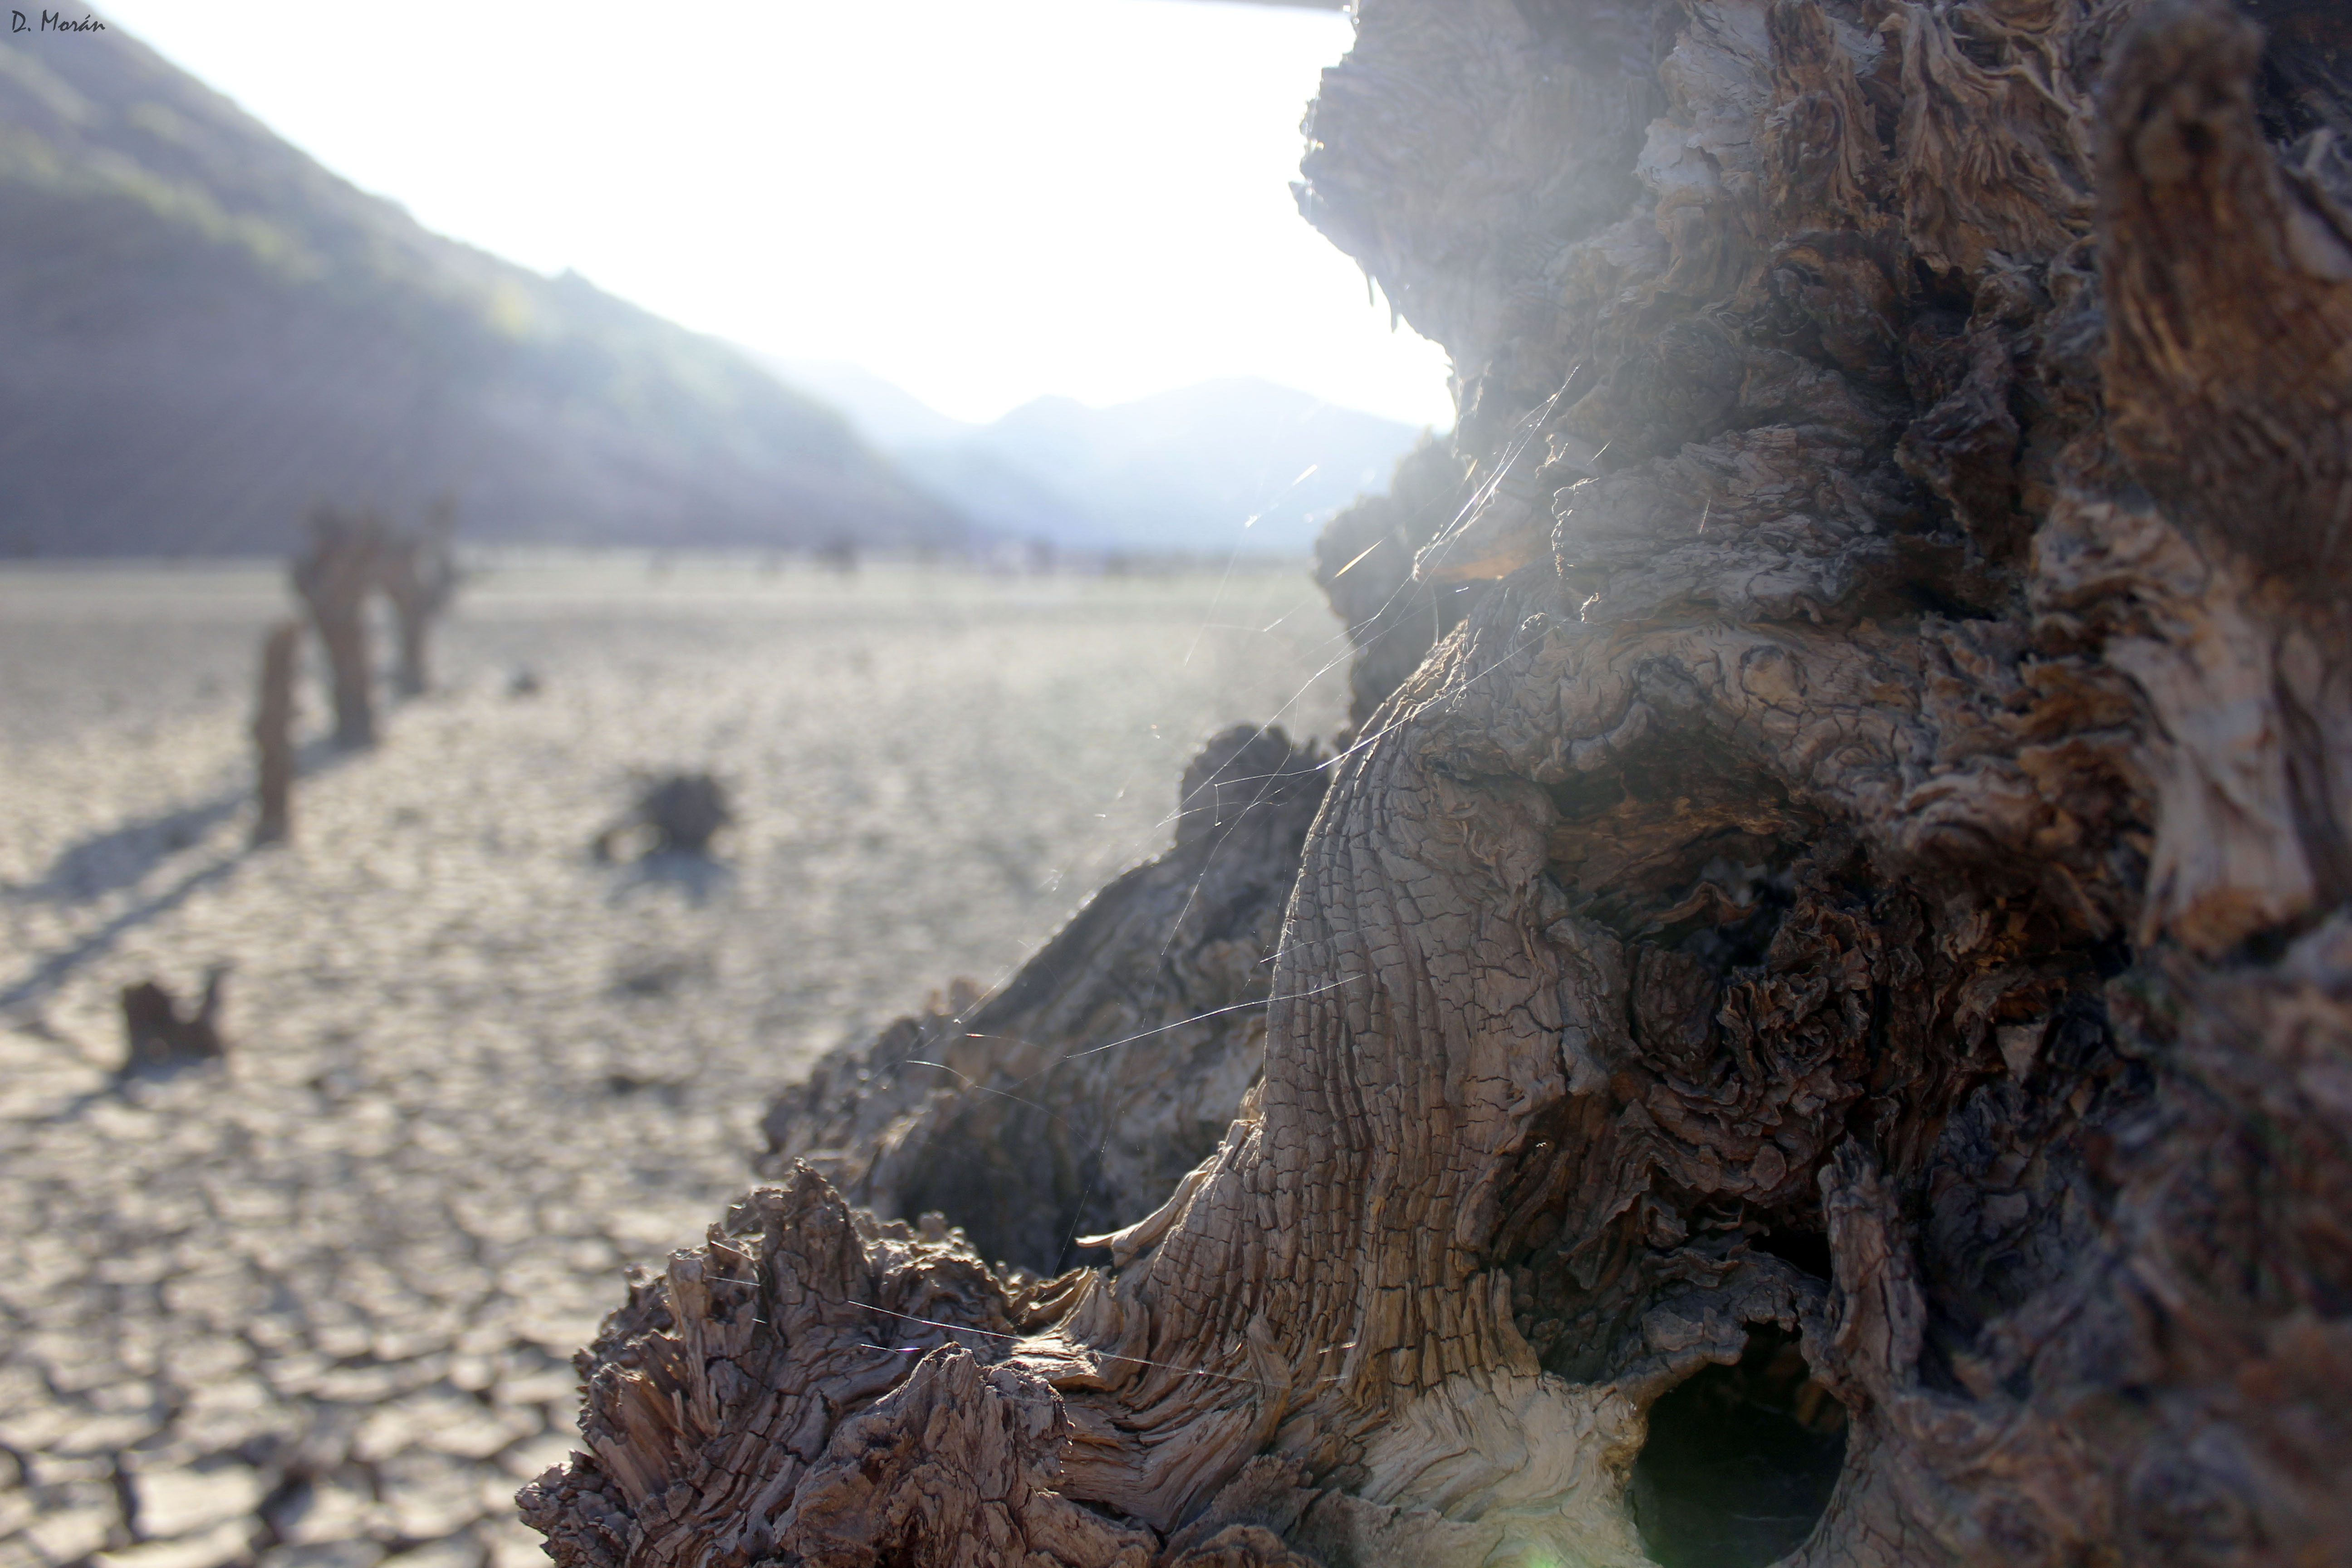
point(1178, 470)
point(207, 331)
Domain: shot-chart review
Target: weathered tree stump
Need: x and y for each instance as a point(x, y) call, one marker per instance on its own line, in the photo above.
point(273, 734)
point(158, 1040)
point(674, 814)
point(1864, 874)
point(418, 574)
point(340, 565)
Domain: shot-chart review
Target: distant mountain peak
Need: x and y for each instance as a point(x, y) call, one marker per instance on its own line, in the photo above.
point(1184, 470)
point(888, 416)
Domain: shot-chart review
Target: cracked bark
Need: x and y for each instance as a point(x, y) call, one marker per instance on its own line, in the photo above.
point(1861, 870)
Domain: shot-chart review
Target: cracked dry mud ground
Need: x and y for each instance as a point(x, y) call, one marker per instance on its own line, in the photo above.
point(317, 1307)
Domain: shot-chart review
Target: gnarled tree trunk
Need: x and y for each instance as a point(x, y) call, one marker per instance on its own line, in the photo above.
point(1817, 1022)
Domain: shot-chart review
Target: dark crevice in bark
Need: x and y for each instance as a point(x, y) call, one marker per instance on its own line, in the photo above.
point(1803, 1247)
point(1740, 1459)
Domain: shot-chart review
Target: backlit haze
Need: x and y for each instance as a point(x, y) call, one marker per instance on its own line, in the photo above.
point(982, 201)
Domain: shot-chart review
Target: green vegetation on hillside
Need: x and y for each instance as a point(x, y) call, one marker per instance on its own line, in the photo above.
point(207, 331)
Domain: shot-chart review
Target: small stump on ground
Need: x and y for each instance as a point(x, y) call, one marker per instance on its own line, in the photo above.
point(675, 813)
point(158, 1039)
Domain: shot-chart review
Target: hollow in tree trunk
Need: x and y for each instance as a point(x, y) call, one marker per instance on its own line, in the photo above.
point(1815, 1024)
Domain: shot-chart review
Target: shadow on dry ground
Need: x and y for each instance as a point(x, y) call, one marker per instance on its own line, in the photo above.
point(316, 1306)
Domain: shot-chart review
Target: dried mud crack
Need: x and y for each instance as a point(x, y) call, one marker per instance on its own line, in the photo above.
point(318, 1304)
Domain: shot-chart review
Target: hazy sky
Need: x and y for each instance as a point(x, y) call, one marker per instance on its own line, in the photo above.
point(981, 200)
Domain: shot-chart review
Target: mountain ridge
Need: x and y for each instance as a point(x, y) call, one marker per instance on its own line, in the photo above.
point(212, 332)
point(1232, 462)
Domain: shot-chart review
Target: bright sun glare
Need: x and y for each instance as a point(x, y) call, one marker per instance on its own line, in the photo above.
point(981, 200)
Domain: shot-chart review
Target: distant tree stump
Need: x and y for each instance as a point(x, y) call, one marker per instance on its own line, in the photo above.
point(674, 814)
point(339, 566)
point(418, 572)
point(273, 738)
point(158, 1039)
